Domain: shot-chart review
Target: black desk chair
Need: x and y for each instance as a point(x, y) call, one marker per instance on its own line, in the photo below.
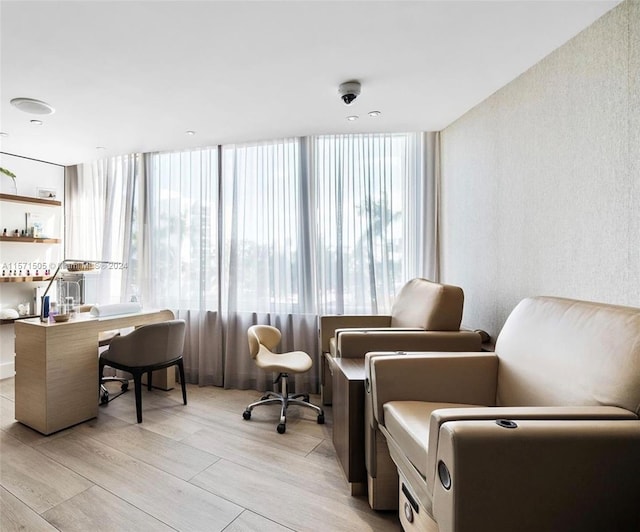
point(146, 349)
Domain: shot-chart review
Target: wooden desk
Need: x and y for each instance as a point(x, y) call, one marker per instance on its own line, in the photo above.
point(56, 383)
point(348, 376)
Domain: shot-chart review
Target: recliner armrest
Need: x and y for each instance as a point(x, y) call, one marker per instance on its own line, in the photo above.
point(355, 344)
point(434, 377)
point(542, 475)
point(515, 413)
point(329, 324)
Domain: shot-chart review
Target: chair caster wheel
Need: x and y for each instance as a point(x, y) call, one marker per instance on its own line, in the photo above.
point(246, 414)
point(321, 419)
point(124, 387)
point(281, 428)
point(104, 398)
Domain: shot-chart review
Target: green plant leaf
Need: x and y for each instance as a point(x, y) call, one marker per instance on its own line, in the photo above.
point(7, 172)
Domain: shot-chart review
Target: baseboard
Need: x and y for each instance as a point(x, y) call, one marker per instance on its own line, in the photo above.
point(7, 370)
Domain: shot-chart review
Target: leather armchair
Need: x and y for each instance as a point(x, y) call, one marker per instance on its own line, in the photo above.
point(542, 434)
point(425, 316)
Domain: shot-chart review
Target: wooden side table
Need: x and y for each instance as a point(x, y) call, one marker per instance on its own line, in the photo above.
point(348, 376)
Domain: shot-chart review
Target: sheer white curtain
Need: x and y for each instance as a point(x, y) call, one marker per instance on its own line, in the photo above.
point(265, 270)
point(100, 222)
point(178, 252)
point(275, 232)
point(422, 221)
point(364, 188)
point(329, 224)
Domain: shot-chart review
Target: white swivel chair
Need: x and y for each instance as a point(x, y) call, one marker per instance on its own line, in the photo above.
point(262, 340)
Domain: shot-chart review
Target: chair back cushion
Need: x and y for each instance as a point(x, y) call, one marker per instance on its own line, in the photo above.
point(563, 352)
point(149, 344)
point(262, 335)
point(427, 305)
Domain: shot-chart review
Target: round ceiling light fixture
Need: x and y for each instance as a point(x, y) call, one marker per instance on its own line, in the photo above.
point(190, 133)
point(374, 114)
point(34, 107)
point(352, 118)
point(36, 122)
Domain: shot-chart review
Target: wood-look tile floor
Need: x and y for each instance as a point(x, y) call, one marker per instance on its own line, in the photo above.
point(197, 467)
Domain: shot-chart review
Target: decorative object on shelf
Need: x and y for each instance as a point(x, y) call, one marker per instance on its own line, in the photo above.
point(10, 187)
point(34, 225)
point(47, 193)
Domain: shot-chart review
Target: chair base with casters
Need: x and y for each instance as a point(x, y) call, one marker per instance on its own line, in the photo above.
point(137, 373)
point(284, 399)
point(105, 395)
point(103, 341)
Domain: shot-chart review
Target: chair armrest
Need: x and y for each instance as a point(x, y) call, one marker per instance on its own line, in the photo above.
point(434, 377)
point(355, 344)
point(516, 413)
point(120, 349)
point(542, 475)
point(329, 323)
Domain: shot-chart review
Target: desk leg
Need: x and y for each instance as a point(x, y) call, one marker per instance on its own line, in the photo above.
point(163, 379)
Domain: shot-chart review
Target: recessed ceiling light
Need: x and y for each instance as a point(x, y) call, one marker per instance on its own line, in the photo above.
point(374, 114)
point(190, 133)
point(35, 107)
point(100, 148)
point(36, 122)
point(3, 134)
point(352, 118)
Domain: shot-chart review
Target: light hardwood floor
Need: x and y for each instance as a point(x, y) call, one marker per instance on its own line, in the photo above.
point(197, 467)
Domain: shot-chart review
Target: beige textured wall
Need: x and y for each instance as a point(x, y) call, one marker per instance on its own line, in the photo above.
point(541, 182)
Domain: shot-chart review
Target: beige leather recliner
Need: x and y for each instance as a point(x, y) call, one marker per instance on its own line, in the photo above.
point(424, 316)
point(541, 435)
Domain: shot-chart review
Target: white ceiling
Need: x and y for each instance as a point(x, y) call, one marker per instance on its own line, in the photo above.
point(133, 76)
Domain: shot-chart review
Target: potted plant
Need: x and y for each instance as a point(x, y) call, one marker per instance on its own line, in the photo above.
point(11, 175)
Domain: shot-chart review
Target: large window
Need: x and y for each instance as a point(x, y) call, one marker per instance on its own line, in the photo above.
point(360, 183)
point(180, 240)
point(264, 227)
point(275, 232)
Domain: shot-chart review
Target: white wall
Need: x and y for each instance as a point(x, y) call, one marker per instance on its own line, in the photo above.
point(541, 182)
point(29, 176)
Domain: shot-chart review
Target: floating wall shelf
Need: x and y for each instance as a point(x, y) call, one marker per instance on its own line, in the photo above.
point(29, 240)
point(24, 279)
point(27, 199)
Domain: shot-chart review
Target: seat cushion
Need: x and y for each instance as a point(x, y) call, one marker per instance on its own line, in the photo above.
point(408, 424)
point(292, 362)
